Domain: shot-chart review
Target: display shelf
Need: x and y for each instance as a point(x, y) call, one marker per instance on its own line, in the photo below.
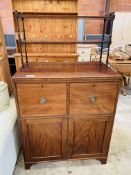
point(45, 57)
point(43, 14)
point(27, 43)
point(47, 36)
point(63, 42)
point(52, 26)
point(49, 54)
point(62, 14)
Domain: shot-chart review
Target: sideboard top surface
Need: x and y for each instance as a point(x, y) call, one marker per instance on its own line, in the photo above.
point(66, 71)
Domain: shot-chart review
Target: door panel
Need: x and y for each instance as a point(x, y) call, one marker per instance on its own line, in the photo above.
point(45, 138)
point(87, 137)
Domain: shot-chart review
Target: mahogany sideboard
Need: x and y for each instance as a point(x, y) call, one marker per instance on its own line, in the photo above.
point(66, 111)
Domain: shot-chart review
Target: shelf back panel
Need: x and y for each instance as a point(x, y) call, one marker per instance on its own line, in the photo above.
point(45, 5)
point(49, 29)
point(53, 26)
point(39, 59)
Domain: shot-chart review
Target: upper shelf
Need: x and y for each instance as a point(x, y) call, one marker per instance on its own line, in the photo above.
point(42, 14)
point(63, 14)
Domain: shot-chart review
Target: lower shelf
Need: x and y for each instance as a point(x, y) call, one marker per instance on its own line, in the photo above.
point(46, 57)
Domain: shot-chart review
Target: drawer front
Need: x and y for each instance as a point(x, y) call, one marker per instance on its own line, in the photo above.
point(93, 98)
point(42, 99)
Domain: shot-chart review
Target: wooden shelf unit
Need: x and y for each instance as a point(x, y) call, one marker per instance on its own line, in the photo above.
point(52, 29)
point(47, 20)
point(66, 108)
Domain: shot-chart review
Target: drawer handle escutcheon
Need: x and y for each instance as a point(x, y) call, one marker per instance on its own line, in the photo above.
point(43, 100)
point(92, 99)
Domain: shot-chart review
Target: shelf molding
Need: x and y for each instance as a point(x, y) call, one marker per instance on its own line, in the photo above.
point(44, 14)
point(60, 14)
point(64, 42)
point(65, 55)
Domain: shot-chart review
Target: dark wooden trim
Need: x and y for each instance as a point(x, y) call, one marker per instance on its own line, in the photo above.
point(64, 42)
point(60, 14)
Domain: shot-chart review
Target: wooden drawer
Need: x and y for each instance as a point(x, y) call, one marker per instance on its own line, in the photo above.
point(42, 99)
point(93, 98)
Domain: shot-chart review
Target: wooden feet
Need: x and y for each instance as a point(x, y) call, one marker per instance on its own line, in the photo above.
point(103, 161)
point(27, 166)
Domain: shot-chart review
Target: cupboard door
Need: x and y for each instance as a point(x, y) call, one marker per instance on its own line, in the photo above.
point(89, 137)
point(44, 139)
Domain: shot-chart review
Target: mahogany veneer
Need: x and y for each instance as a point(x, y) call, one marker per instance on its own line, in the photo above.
point(66, 111)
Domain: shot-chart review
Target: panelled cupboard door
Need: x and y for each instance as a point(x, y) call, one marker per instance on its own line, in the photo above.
point(89, 138)
point(44, 139)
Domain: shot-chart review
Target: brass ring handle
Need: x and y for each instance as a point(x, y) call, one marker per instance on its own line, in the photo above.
point(43, 100)
point(92, 99)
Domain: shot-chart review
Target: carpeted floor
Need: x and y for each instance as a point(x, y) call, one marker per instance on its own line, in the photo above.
point(119, 160)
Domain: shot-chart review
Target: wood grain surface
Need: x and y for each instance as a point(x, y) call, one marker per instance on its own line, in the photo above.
point(45, 138)
point(45, 6)
point(46, 57)
point(50, 27)
point(105, 94)
point(87, 137)
point(58, 71)
point(29, 99)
